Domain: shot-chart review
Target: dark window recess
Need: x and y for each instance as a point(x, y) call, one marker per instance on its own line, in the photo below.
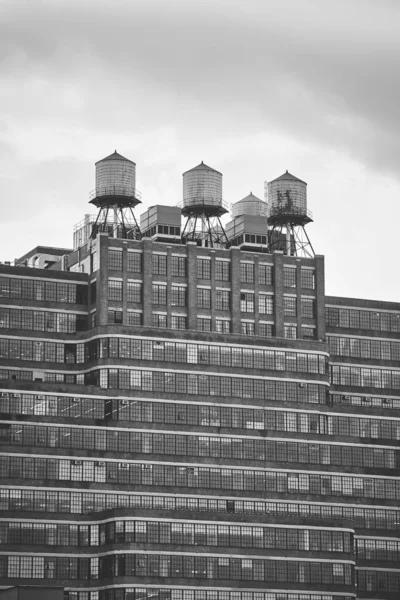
point(93, 292)
point(82, 294)
point(230, 506)
point(70, 354)
point(81, 322)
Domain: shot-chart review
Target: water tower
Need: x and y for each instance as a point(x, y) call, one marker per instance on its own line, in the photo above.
point(116, 196)
point(288, 216)
point(203, 206)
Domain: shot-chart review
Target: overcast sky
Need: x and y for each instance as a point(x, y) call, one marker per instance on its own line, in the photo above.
point(252, 87)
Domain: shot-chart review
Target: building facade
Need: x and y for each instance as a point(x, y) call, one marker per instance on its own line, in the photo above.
point(187, 422)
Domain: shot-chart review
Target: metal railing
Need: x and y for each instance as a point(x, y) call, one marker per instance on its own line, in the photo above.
point(115, 190)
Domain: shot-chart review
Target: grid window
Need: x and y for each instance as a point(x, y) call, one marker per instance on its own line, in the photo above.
point(115, 260)
point(222, 299)
point(159, 320)
point(159, 293)
point(178, 266)
point(134, 262)
point(115, 290)
point(178, 322)
point(247, 328)
point(178, 296)
point(265, 274)
point(290, 331)
point(308, 332)
point(223, 326)
point(308, 279)
point(247, 302)
point(134, 291)
point(247, 272)
point(115, 317)
point(203, 268)
point(134, 318)
point(222, 268)
point(203, 324)
point(308, 308)
point(203, 298)
point(266, 304)
point(266, 329)
point(159, 264)
point(289, 277)
point(289, 306)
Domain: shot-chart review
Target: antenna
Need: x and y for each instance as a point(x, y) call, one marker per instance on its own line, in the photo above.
point(288, 216)
point(115, 196)
point(203, 206)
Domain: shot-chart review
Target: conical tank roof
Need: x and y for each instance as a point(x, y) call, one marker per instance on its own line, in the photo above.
point(289, 177)
point(115, 156)
point(202, 167)
point(250, 198)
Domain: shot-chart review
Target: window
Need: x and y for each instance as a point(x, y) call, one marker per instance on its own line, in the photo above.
point(308, 279)
point(178, 322)
point(222, 268)
point(308, 308)
point(247, 302)
point(289, 277)
point(134, 318)
point(203, 268)
point(203, 324)
point(159, 264)
point(222, 299)
point(247, 328)
point(265, 274)
point(178, 296)
point(115, 260)
point(159, 320)
point(134, 262)
point(266, 304)
point(115, 290)
point(203, 298)
point(134, 291)
point(247, 272)
point(290, 331)
point(289, 306)
point(159, 293)
point(222, 326)
point(178, 266)
point(115, 317)
point(308, 332)
point(265, 329)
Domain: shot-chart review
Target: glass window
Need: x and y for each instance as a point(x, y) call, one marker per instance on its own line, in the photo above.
point(115, 290)
point(159, 293)
point(265, 274)
point(203, 324)
point(115, 260)
point(178, 296)
point(289, 306)
point(290, 331)
point(178, 322)
point(203, 268)
point(222, 326)
point(247, 272)
point(203, 298)
point(159, 264)
point(247, 302)
point(222, 299)
point(247, 328)
point(178, 266)
point(308, 279)
point(134, 291)
point(308, 308)
point(134, 262)
point(222, 268)
point(289, 277)
point(159, 320)
point(265, 304)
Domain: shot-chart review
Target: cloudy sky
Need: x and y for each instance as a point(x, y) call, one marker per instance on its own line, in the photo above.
point(252, 87)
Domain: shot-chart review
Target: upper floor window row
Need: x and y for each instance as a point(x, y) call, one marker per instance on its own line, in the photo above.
point(354, 318)
point(44, 291)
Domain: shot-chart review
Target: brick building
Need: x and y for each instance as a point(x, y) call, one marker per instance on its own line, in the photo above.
point(183, 421)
